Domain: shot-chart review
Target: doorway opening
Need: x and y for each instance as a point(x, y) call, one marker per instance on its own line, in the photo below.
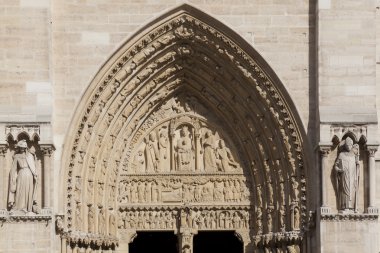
point(154, 242)
point(217, 242)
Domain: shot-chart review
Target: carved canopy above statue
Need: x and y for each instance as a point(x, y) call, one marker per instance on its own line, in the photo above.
point(184, 96)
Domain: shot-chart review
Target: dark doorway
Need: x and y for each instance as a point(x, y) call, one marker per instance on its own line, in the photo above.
point(154, 242)
point(217, 242)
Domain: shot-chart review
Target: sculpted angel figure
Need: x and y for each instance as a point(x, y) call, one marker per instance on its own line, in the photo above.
point(151, 153)
point(226, 160)
point(23, 180)
point(209, 159)
point(164, 147)
point(347, 176)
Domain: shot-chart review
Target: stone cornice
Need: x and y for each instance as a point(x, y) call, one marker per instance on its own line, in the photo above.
point(338, 217)
point(12, 217)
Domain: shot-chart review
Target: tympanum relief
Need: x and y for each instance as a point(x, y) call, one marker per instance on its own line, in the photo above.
point(181, 140)
point(183, 171)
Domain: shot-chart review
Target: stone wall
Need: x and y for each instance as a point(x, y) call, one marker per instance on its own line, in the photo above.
point(31, 237)
point(51, 49)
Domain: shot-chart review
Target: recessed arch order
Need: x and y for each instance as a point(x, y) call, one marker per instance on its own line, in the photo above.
point(185, 51)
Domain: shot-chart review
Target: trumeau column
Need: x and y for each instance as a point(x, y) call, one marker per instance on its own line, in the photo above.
point(371, 149)
point(324, 152)
point(186, 237)
point(47, 150)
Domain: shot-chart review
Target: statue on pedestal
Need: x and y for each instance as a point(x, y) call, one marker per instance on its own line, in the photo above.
point(23, 180)
point(347, 176)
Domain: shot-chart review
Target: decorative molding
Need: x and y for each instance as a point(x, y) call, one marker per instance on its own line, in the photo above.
point(338, 217)
point(86, 239)
point(18, 216)
point(31, 130)
point(358, 131)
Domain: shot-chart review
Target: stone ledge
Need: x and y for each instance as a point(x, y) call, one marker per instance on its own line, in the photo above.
point(79, 237)
point(279, 237)
point(349, 217)
point(179, 206)
point(18, 216)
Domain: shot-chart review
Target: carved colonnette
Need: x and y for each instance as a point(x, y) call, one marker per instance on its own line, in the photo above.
point(146, 117)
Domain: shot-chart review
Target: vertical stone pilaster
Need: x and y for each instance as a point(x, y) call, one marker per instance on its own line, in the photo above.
point(47, 151)
point(324, 151)
point(63, 245)
point(371, 149)
point(4, 178)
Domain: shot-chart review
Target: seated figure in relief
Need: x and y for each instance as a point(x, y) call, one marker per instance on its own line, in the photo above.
point(23, 180)
point(184, 148)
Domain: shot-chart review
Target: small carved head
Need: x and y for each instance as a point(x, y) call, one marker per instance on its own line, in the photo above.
point(348, 144)
point(22, 144)
point(152, 136)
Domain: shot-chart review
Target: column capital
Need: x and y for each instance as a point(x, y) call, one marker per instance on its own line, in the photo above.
point(324, 149)
point(47, 149)
point(371, 149)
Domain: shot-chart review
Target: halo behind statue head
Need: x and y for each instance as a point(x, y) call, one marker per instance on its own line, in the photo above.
point(22, 144)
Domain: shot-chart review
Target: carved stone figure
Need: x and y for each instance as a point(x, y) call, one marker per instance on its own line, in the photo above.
point(23, 180)
point(184, 150)
point(296, 218)
point(102, 222)
point(91, 219)
point(164, 147)
point(347, 176)
point(209, 159)
point(151, 154)
point(225, 156)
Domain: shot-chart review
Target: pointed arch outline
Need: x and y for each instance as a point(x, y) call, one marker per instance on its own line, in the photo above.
point(101, 113)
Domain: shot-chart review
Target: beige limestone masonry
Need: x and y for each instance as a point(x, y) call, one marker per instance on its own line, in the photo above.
point(326, 55)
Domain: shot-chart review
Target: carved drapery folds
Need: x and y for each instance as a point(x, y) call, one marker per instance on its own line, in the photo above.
point(347, 169)
point(26, 159)
point(183, 114)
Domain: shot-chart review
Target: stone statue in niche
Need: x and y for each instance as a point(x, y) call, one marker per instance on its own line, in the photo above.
point(347, 176)
point(151, 153)
point(164, 150)
point(227, 162)
point(184, 151)
point(209, 159)
point(23, 180)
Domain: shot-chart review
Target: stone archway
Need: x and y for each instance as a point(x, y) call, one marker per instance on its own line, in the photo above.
point(185, 103)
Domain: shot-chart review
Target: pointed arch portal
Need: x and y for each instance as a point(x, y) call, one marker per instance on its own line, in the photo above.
point(185, 128)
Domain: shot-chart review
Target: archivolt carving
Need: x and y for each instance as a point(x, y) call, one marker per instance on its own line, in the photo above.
point(185, 98)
